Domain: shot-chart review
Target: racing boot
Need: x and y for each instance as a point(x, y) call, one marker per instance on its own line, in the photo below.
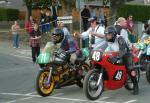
point(135, 83)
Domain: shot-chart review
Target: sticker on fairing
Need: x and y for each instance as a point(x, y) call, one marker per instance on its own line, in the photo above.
point(118, 75)
point(96, 56)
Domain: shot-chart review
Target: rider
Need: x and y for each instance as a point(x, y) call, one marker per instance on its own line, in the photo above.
point(146, 34)
point(118, 44)
point(66, 43)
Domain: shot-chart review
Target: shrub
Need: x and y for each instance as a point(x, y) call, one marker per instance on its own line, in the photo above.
point(139, 12)
point(7, 14)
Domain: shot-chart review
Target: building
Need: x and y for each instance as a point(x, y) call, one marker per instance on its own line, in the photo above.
point(15, 4)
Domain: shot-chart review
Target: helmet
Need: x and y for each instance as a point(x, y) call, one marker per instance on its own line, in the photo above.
point(58, 35)
point(110, 33)
point(148, 31)
point(147, 24)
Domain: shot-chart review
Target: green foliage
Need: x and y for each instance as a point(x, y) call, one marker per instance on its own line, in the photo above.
point(139, 12)
point(37, 3)
point(8, 14)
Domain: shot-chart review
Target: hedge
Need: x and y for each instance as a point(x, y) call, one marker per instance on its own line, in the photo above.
point(7, 14)
point(139, 12)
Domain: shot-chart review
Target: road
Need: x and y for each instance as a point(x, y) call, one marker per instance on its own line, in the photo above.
point(18, 76)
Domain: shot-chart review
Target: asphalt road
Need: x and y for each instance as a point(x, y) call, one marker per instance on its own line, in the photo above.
point(18, 75)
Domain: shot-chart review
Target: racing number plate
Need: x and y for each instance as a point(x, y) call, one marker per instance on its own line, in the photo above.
point(96, 56)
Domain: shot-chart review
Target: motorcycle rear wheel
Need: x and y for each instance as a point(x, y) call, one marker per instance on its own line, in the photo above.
point(148, 72)
point(44, 89)
point(89, 85)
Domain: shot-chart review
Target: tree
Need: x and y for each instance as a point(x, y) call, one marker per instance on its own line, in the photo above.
point(114, 6)
point(28, 4)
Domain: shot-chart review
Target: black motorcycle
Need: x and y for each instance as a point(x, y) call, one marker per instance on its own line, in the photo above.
point(57, 71)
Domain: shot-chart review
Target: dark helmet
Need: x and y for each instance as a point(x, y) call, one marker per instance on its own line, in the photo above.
point(110, 30)
point(147, 24)
point(58, 35)
point(147, 31)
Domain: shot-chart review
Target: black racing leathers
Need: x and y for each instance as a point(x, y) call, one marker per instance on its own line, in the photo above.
point(126, 54)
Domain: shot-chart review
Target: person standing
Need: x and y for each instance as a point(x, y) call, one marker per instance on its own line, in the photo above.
point(85, 14)
point(121, 27)
point(101, 16)
point(29, 25)
point(95, 33)
point(35, 37)
point(54, 13)
point(42, 21)
point(47, 21)
point(130, 27)
point(15, 32)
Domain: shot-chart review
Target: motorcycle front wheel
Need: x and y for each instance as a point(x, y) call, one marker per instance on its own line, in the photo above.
point(42, 86)
point(91, 89)
point(148, 72)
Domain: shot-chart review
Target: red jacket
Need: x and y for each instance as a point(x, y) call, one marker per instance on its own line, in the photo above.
point(28, 27)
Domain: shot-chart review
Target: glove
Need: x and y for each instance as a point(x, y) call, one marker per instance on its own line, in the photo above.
point(113, 59)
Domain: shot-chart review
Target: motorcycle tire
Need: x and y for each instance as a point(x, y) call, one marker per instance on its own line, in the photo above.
point(148, 72)
point(130, 86)
point(88, 85)
point(42, 88)
point(86, 69)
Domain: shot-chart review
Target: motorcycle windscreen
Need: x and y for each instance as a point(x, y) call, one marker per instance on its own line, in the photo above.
point(44, 58)
point(51, 47)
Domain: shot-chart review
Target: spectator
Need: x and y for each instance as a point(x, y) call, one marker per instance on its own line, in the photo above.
point(54, 13)
point(105, 20)
point(85, 14)
point(15, 32)
point(35, 36)
point(93, 12)
point(47, 21)
point(29, 25)
point(130, 27)
point(121, 27)
point(42, 21)
point(101, 16)
point(95, 33)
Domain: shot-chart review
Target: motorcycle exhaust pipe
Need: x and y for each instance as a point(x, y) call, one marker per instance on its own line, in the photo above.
point(68, 81)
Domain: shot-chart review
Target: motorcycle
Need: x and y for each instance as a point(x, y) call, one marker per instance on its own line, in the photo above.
point(107, 75)
point(57, 71)
point(144, 55)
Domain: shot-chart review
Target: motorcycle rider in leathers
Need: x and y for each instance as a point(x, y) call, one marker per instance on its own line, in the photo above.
point(118, 44)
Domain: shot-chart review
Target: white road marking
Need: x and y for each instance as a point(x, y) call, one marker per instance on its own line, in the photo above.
point(58, 94)
point(131, 101)
point(53, 97)
point(30, 93)
point(21, 56)
point(22, 99)
point(103, 98)
point(25, 98)
point(79, 100)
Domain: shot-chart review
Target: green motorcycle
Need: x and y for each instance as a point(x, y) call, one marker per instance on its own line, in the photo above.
point(57, 71)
